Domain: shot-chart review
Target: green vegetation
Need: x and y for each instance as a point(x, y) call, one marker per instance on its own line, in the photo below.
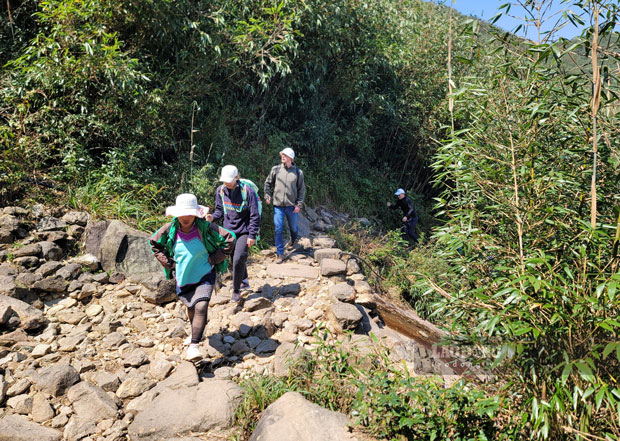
point(383, 400)
point(116, 107)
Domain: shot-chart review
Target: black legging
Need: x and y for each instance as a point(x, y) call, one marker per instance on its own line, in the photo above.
point(198, 319)
point(240, 258)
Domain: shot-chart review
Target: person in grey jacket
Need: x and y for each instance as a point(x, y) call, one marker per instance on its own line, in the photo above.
point(285, 187)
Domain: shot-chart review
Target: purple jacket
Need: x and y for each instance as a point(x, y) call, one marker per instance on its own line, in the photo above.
point(245, 222)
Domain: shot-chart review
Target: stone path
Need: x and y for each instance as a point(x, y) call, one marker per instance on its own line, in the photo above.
point(91, 355)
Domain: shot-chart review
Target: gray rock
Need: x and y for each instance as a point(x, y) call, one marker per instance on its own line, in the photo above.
point(180, 411)
point(76, 218)
point(79, 428)
point(48, 268)
point(5, 314)
point(346, 315)
point(30, 317)
point(184, 376)
point(41, 408)
point(91, 402)
point(9, 288)
point(343, 292)
point(69, 272)
point(292, 417)
point(6, 269)
point(21, 404)
point(136, 358)
point(126, 250)
point(52, 284)
point(362, 287)
point(160, 368)
point(107, 381)
point(323, 242)
point(303, 225)
point(322, 226)
point(53, 236)
point(6, 235)
point(257, 303)
point(18, 428)
point(102, 278)
point(56, 379)
point(34, 249)
point(114, 340)
point(267, 346)
point(27, 261)
point(93, 235)
point(164, 292)
point(72, 316)
point(49, 223)
point(88, 261)
point(286, 355)
point(352, 267)
point(9, 221)
point(291, 289)
point(19, 387)
point(50, 251)
point(134, 387)
point(327, 253)
point(332, 267)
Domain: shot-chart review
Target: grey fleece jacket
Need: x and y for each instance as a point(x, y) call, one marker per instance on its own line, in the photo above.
point(285, 186)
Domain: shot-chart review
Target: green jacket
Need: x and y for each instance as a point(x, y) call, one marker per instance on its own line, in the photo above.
point(218, 241)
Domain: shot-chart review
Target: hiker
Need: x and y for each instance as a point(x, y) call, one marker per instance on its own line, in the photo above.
point(237, 202)
point(191, 249)
point(410, 219)
point(286, 183)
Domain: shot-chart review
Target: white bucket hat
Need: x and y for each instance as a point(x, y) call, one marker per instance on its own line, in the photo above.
point(187, 205)
point(288, 152)
point(399, 192)
point(229, 173)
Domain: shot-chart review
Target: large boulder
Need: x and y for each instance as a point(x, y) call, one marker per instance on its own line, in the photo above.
point(30, 317)
point(19, 428)
point(292, 417)
point(56, 379)
point(201, 408)
point(126, 250)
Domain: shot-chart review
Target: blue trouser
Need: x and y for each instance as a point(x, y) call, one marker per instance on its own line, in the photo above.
point(278, 221)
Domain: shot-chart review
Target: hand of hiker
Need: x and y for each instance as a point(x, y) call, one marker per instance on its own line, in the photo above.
point(405, 219)
point(209, 217)
point(389, 204)
point(296, 209)
point(251, 242)
point(268, 200)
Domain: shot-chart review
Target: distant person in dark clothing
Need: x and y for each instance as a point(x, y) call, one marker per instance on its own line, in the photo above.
point(410, 219)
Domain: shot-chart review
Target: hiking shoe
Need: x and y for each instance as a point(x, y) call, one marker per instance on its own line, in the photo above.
point(236, 297)
point(279, 259)
point(245, 284)
point(291, 245)
point(193, 353)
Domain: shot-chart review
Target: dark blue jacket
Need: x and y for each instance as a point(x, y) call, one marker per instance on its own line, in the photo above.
point(245, 222)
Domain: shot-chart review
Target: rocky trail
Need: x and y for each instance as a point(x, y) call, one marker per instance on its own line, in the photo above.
point(91, 339)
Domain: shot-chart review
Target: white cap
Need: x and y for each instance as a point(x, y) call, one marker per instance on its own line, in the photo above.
point(288, 152)
point(399, 192)
point(187, 205)
point(229, 173)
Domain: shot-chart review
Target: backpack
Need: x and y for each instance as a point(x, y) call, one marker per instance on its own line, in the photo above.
point(244, 184)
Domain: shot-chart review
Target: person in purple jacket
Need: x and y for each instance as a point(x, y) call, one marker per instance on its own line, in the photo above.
point(237, 204)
